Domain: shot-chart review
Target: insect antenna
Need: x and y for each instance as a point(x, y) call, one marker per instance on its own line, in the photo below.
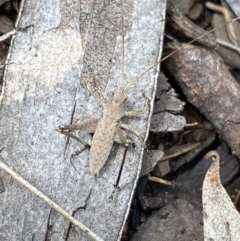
point(183, 46)
point(123, 47)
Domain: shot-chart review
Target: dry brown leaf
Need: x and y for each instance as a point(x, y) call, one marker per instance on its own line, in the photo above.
point(221, 219)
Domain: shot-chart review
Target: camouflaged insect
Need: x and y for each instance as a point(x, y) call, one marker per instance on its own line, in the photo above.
point(106, 128)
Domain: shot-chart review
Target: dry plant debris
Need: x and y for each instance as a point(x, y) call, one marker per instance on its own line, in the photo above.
point(206, 74)
point(210, 90)
point(208, 85)
point(221, 219)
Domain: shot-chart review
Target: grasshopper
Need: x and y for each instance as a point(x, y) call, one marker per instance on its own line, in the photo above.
point(107, 128)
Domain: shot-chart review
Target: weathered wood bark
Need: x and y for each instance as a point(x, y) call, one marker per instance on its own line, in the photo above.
point(208, 85)
point(56, 43)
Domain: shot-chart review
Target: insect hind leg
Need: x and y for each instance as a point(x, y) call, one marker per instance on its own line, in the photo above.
point(135, 132)
point(69, 134)
point(88, 126)
point(122, 138)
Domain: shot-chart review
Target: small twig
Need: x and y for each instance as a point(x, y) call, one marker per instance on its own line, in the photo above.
point(183, 46)
point(228, 45)
point(7, 35)
point(180, 151)
point(228, 19)
point(160, 180)
point(55, 206)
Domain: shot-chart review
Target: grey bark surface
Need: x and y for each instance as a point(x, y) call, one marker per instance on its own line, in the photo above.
point(167, 108)
point(47, 69)
point(178, 220)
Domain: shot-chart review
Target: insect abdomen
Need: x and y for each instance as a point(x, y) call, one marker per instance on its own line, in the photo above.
point(102, 142)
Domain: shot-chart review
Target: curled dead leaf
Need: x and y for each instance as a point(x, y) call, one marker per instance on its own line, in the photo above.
point(221, 219)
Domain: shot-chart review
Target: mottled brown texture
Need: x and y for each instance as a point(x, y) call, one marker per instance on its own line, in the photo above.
point(6, 24)
point(230, 57)
point(220, 218)
point(213, 172)
point(106, 129)
point(208, 85)
point(188, 184)
point(105, 132)
point(180, 22)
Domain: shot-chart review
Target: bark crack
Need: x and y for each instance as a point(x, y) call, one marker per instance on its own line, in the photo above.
point(49, 228)
point(71, 226)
